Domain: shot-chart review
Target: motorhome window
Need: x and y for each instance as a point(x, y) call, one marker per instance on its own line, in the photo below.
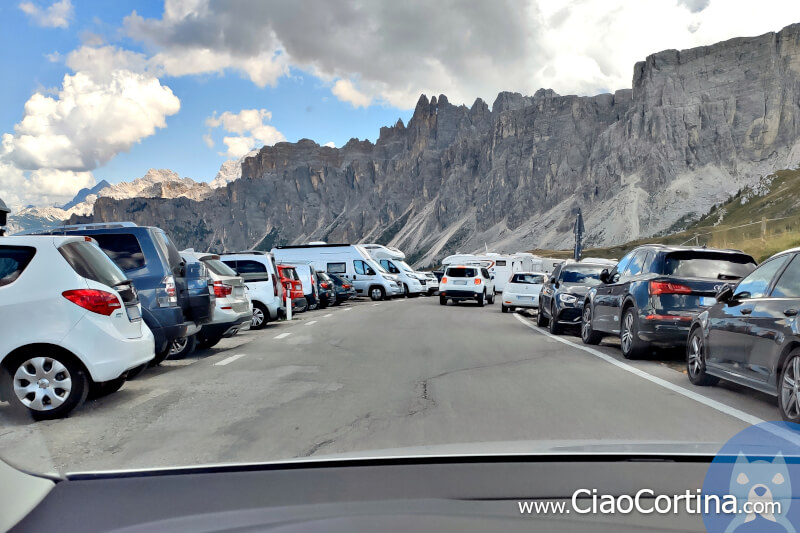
point(337, 268)
point(500, 262)
point(363, 268)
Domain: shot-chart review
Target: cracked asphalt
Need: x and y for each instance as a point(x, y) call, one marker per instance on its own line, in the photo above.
point(367, 377)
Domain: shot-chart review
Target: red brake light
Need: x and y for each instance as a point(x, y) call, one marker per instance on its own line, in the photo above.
point(221, 290)
point(665, 287)
point(100, 302)
point(444, 280)
point(477, 281)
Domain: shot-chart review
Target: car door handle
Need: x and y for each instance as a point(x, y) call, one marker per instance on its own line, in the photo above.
point(790, 312)
point(746, 310)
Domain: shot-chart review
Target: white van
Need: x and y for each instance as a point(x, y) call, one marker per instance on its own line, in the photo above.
point(350, 261)
point(393, 260)
point(260, 275)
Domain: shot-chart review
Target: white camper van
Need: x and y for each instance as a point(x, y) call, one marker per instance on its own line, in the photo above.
point(350, 261)
point(500, 266)
point(393, 260)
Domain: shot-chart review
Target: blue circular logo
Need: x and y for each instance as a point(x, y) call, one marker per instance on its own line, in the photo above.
point(750, 484)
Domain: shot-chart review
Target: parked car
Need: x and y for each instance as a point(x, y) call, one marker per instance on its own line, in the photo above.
point(176, 300)
point(72, 321)
point(350, 261)
point(433, 283)
point(233, 309)
point(522, 291)
point(327, 290)
point(344, 289)
point(263, 283)
point(393, 261)
point(466, 283)
point(651, 297)
point(751, 334)
point(307, 275)
point(291, 283)
point(562, 295)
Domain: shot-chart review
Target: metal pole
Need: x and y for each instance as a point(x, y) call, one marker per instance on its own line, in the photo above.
point(288, 305)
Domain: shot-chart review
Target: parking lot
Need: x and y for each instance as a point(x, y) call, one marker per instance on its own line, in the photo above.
point(368, 376)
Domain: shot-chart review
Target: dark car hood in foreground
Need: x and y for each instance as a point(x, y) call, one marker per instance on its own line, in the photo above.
point(574, 288)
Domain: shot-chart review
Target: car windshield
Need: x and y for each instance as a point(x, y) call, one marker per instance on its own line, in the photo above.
point(461, 272)
point(524, 230)
point(582, 274)
point(704, 265)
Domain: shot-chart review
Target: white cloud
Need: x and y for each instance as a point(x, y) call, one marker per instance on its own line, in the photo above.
point(330, 144)
point(44, 187)
point(345, 91)
point(57, 15)
point(250, 126)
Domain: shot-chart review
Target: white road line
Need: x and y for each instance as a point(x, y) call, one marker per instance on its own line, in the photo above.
point(230, 359)
point(326, 316)
point(139, 400)
point(719, 406)
point(375, 304)
point(347, 309)
point(312, 322)
point(283, 335)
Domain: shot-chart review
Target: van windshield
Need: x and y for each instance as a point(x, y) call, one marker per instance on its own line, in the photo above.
point(402, 265)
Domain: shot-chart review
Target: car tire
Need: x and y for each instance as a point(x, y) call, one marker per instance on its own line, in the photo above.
point(503, 308)
point(260, 316)
point(377, 293)
point(588, 334)
point(481, 298)
point(98, 390)
point(632, 347)
point(56, 402)
point(553, 325)
point(182, 347)
point(788, 393)
point(160, 356)
point(696, 360)
point(406, 292)
point(442, 300)
point(204, 343)
point(491, 299)
point(541, 320)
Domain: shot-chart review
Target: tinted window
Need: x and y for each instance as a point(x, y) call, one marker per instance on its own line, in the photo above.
point(485, 273)
point(251, 270)
point(218, 267)
point(648, 263)
point(230, 263)
point(461, 272)
point(90, 262)
point(581, 274)
point(637, 264)
point(13, 260)
point(708, 265)
point(167, 248)
point(788, 286)
point(337, 268)
point(623, 264)
point(757, 283)
point(123, 249)
point(532, 279)
point(501, 262)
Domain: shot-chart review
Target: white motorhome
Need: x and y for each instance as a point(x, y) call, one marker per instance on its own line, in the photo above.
point(393, 260)
point(500, 266)
point(350, 261)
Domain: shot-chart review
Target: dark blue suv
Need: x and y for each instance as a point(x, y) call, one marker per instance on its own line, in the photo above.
point(175, 297)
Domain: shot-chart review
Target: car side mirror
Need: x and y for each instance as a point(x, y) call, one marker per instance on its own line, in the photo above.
point(725, 293)
point(491, 277)
point(556, 285)
point(605, 277)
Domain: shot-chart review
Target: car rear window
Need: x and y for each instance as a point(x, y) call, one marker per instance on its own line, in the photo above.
point(168, 249)
point(218, 267)
point(88, 261)
point(252, 270)
point(461, 272)
point(533, 279)
point(13, 261)
point(124, 249)
point(708, 265)
point(583, 274)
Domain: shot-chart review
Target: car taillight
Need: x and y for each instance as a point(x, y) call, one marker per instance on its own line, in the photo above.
point(100, 302)
point(444, 280)
point(346, 286)
point(324, 285)
point(221, 290)
point(167, 294)
point(477, 281)
point(665, 287)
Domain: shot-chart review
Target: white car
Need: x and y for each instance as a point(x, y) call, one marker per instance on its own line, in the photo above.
point(466, 282)
point(263, 283)
point(433, 282)
point(522, 291)
point(71, 324)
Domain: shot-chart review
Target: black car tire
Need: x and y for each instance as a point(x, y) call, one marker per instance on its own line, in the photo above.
point(553, 325)
point(442, 300)
point(503, 308)
point(696, 360)
point(588, 334)
point(491, 299)
point(787, 398)
point(104, 388)
point(481, 298)
point(260, 316)
point(377, 293)
point(183, 347)
point(204, 343)
point(406, 293)
point(630, 324)
point(76, 373)
point(541, 320)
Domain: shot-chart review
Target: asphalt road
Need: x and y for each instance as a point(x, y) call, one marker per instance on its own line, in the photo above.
point(364, 377)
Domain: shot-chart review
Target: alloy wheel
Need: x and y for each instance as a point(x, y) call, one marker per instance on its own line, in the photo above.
point(586, 326)
point(42, 383)
point(178, 345)
point(626, 337)
point(695, 358)
point(258, 317)
point(790, 389)
point(375, 294)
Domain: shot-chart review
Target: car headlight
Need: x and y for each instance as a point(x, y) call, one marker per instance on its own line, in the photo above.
point(567, 298)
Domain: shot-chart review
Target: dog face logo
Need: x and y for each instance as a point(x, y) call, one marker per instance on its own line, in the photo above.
point(761, 484)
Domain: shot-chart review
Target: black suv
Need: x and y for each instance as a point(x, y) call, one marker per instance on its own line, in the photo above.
point(176, 298)
point(562, 295)
point(651, 297)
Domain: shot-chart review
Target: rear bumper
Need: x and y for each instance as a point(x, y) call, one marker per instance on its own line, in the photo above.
point(225, 329)
point(460, 294)
point(299, 305)
point(526, 301)
point(664, 333)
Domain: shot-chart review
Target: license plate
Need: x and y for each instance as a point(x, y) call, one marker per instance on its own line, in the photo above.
point(524, 298)
point(460, 283)
point(133, 312)
point(707, 301)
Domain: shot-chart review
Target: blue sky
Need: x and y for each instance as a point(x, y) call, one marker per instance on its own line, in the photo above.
point(109, 89)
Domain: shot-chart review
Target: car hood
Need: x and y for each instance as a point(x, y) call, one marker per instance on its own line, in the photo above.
point(575, 288)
